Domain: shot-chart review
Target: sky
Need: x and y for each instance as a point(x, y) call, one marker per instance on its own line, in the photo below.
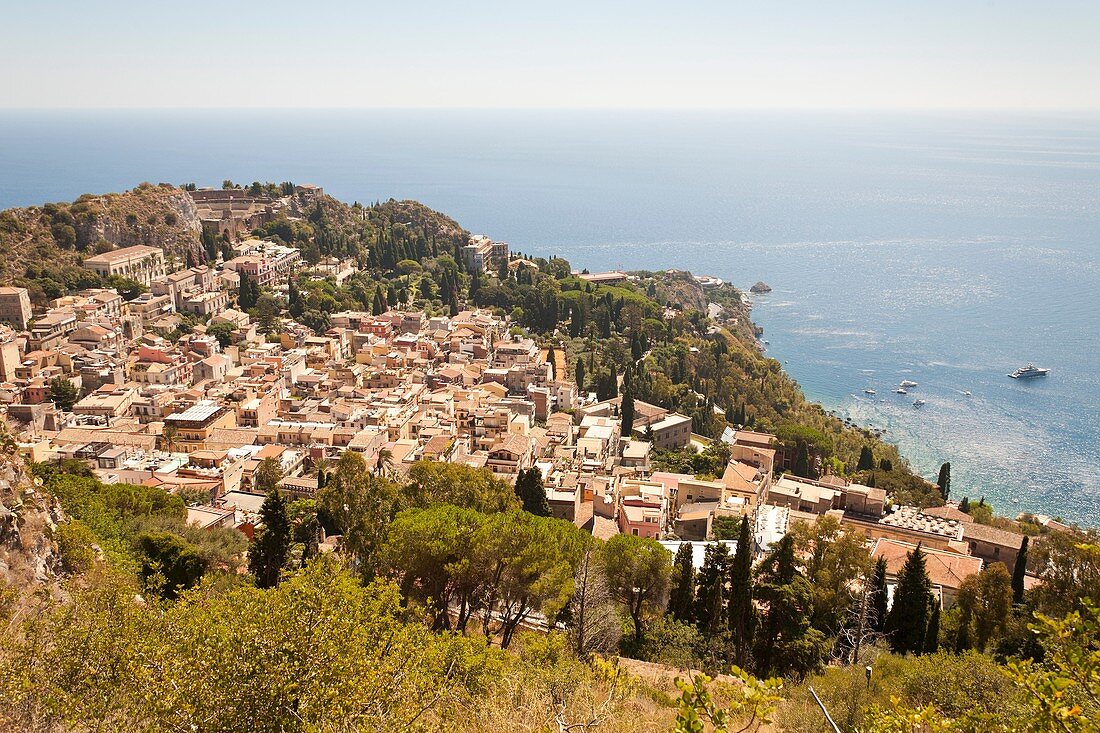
point(772, 54)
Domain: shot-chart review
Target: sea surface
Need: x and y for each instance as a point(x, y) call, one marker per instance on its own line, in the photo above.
point(947, 249)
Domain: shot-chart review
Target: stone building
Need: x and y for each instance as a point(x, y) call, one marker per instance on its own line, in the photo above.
point(141, 263)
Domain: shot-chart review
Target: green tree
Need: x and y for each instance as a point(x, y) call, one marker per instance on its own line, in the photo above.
point(267, 476)
point(626, 411)
point(907, 620)
point(944, 480)
point(638, 571)
point(742, 612)
point(879, 596)
point(359, 506)
point(435, 482)
point(270, 547)
point(170, 564)
point(578, 374)
point(985, 600)
point(866, 459)
point(786, 643)
point(932, 635)
point(1019, 570)
point(268, 311)
point(222, 331)
point(531, 492)
point(63, 393)
point(681, 598)
point(710, 599)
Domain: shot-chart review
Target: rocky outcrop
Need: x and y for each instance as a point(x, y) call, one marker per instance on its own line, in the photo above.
point(760, 287)
point(28, 519)
point(157, 216)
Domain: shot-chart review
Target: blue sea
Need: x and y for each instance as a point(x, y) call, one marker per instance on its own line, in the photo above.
point(947, 249)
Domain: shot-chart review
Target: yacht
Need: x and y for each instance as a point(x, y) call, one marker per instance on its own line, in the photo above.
point(869, 391)
point(901, 390)
point(918, 403)
point(1026, 372)
point(905, 384)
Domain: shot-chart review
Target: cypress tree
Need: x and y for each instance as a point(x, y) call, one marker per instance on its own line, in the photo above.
point(270, 546)
point(866, 459)
point(530, 491)
point(1018, 572)
point(681, 599)
point(578, 374)
point(710, 594)
point(964, 505)
point(626, 412)
point(802, 462)
point(552, 361)
point(944, 481)
point(879, 595)
point(741, 610)
point(962, 638)
point(932, 635)
point(907, 621)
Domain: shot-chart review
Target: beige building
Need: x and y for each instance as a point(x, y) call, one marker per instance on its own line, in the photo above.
point(141, 263)
point(15, 307)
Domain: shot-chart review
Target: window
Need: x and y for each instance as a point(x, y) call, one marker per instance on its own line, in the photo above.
point(634, 531)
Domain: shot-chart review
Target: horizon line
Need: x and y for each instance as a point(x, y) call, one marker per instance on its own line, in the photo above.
point(472, 108)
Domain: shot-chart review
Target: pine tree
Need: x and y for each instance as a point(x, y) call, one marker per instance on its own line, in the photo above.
point(907, 620)
point(741, 609)
point(1018, 572)
point(681, 599)
point(944, 481)
point(270, 546)
point(879, 595)
point(531, 492)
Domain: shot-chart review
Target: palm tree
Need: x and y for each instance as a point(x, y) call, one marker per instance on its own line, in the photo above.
point(168, 438)
point(384, 465)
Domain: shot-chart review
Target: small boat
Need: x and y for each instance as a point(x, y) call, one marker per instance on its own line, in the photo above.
point(1029, 371)
point(905, 383)
point(919, 403)
point(967, 394)
point(869, 391)
point(900, 390)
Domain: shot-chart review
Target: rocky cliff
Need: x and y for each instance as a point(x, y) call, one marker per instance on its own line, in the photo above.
point(28, 520)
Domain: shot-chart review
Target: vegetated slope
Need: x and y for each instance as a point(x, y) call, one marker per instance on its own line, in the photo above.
point(42, 247)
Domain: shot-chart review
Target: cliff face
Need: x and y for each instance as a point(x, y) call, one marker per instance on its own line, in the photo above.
point(164, 218)
point(28, 520)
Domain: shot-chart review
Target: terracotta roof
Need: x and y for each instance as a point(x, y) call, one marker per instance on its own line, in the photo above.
point(946, 569)
point(993, 535)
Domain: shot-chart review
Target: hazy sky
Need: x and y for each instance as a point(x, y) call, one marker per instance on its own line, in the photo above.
point(467, 53)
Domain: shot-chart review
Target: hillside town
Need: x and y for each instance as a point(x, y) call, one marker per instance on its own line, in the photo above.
point(95, 377)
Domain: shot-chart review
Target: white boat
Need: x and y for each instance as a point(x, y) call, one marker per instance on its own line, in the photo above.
point(918, 403)
point(905, 383)
point(967, 394)
point(869, 391)
point(901, 390)
point(1029, 371)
